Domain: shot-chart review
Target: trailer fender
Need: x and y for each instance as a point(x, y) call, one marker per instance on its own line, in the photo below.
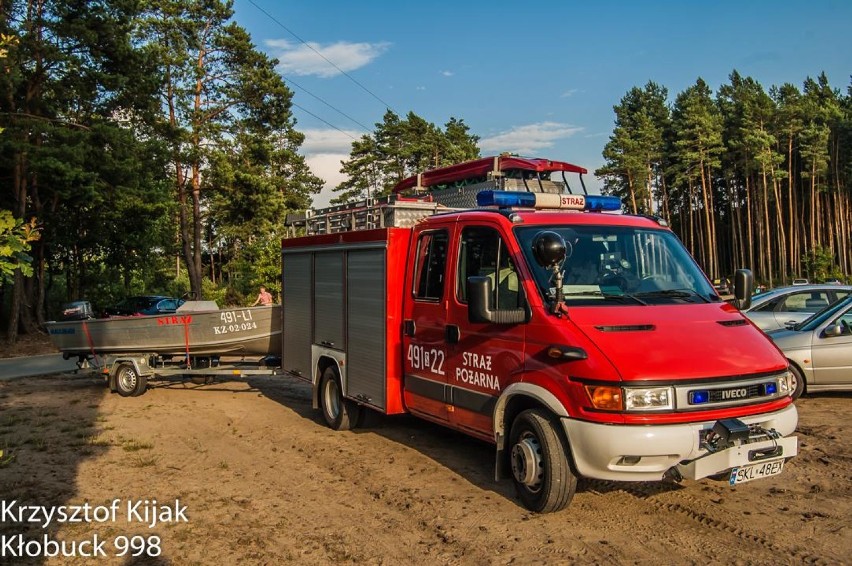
point(514, 399)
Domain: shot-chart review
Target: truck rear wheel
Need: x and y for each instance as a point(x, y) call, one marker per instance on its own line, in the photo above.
point(540, 466)
point(129, 382)
point(339, 413)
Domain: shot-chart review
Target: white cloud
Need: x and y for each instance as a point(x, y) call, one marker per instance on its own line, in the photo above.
point(528, 139)
point(329, 141)
point(307, 59)
point(323, 151)
point(326, 166)
point(447, 73)
point(420, 88)
point(569, 92)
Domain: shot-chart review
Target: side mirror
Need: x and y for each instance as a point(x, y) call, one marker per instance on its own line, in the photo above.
point(743, 288)
point(480, 309)
point(832, 331)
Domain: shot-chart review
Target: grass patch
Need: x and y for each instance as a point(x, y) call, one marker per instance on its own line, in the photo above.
point(7, 457)
point(135, 446)
point(144, 461)
point(98, 440)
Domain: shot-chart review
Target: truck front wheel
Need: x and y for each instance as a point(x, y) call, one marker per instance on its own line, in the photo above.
point(339, 413)
point(540, 466)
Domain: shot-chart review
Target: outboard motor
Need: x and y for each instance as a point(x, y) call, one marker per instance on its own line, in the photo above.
point(78, 310)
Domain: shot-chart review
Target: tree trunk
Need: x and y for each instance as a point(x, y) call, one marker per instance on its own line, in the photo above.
point(768, 247)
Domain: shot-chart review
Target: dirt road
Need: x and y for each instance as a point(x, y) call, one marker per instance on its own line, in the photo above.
point(263, 481)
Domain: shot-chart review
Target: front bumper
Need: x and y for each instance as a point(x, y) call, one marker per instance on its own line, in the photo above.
point(646, 453)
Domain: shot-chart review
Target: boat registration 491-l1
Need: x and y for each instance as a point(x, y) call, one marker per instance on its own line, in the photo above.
point(235, 321)
point(743, 474)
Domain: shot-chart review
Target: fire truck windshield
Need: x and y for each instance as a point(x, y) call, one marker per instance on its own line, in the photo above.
point(618, 265)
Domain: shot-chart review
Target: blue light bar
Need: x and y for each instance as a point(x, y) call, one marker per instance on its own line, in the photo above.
point(505, 199)
point(511, 199)
point(600, 203)
point(770, 388)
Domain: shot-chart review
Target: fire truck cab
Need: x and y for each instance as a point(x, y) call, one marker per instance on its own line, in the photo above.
point(579, 343)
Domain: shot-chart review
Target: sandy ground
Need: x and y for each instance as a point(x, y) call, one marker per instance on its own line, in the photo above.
point(264, 481)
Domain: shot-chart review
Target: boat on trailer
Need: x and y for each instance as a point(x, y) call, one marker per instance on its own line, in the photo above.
point(197, 328)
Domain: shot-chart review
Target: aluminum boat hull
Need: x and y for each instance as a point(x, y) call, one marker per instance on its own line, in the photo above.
point(233, 332)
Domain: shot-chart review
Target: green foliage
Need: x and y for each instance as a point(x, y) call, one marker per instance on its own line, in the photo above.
point(401, 148)
point(635, 151)
point(16, 237)
point(746, 177)
point(697, 126)
point(819, 264)
point(233, 147)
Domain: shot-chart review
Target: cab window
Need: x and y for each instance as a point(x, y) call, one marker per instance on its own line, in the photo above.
point(482, 252)
point(430, 265)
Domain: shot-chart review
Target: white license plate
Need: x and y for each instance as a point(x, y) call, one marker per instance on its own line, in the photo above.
point(743, 474)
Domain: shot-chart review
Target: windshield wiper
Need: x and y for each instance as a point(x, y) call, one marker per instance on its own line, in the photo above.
point(675, 293)
point(607, 296)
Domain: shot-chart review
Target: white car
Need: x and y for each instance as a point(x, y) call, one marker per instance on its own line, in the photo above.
point(820, 349)
point(783, 306)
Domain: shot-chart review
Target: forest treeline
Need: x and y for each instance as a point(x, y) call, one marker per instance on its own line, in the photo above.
point(747, 177)
point(150, 147)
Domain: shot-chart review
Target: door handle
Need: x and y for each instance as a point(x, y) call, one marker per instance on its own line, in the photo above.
point(408, 327)
point(452, 334)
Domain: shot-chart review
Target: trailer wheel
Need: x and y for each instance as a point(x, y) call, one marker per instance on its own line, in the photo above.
point(541, 470)
point(339, 413)
point(798, 382)
point(128, 382)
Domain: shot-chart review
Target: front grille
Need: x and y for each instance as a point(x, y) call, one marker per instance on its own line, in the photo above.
point(719, 395)
point(696, 397)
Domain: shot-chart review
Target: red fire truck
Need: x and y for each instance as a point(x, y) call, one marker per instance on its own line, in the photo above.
point(580, 342)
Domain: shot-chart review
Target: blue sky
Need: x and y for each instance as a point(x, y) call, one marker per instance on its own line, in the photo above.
point(539, 79)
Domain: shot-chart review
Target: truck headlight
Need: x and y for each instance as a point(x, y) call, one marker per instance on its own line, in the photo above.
point(648, 398)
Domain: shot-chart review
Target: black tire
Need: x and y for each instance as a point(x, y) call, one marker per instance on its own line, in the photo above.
point(128, 382)
point(798, 382)
point(539, 461)
point(339, 413)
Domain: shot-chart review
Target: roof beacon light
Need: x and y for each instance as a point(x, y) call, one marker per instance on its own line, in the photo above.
point(509, 199)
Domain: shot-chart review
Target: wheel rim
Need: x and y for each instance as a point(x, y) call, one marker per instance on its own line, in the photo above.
point(527, 465)
point(331, 399)
point(127, 379)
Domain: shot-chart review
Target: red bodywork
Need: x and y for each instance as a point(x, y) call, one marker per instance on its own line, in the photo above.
point(457, 383)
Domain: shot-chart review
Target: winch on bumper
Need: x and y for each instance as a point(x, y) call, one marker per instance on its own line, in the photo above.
point(692, 450)
point(733, 445)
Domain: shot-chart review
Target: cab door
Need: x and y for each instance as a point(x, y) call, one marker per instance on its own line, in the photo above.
point(483, 358)
point(424, 326)
point(832, 355)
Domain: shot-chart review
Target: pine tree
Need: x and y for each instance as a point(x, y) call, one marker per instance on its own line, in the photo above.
point(219, 92)
point(401, 148)
point(697, 126)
